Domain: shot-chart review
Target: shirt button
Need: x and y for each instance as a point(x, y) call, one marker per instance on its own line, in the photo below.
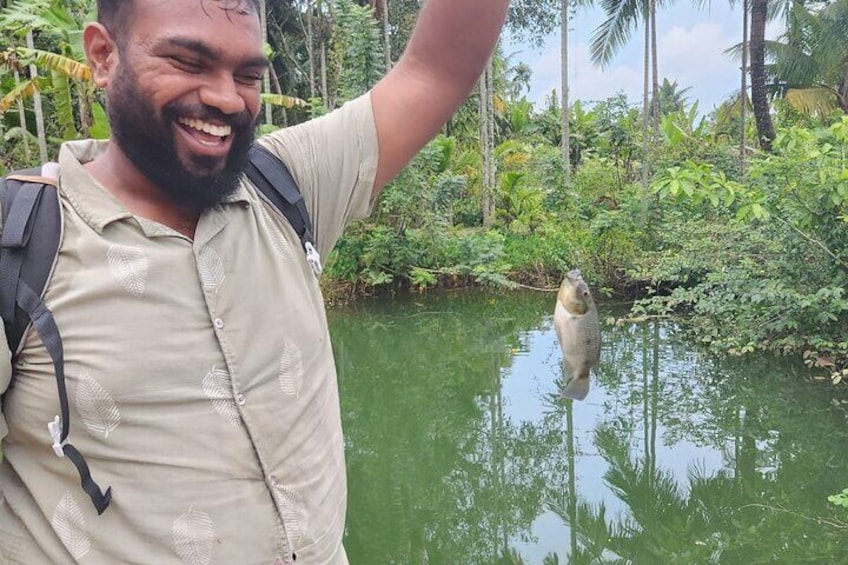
point(241, 399)
point(219, 323)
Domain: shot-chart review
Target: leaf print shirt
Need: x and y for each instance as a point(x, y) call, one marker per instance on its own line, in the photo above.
point(199, 371)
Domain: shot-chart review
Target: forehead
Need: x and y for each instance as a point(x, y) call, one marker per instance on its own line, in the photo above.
point(226, 25)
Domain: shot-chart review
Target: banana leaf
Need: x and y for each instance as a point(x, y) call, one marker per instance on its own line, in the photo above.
point(20, 92)
point(54, 62)
point(283, 100)
point(64, 105)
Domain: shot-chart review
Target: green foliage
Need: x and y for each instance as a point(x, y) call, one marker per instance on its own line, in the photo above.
point(379, 256)
point(840, 499)
point(805, 184)
point(426, 191)
point(764, 269)
point(758, 262)
point(541, 257)
point(357, 49)
point(695, 184)
point(64, 83)
point(521, 206)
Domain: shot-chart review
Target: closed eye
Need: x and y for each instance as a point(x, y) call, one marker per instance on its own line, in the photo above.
point(249, 79)
point(187, 65)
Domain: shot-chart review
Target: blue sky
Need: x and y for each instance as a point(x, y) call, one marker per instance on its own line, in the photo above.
point(691, 45)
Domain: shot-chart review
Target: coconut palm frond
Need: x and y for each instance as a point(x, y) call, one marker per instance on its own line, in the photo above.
point(734, 52)
point(622, 18)
point(791, 65)
point(813, 101)
point(810, 60)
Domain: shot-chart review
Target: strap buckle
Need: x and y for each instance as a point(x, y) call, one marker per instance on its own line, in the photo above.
point(55, 429)
point(313, 258)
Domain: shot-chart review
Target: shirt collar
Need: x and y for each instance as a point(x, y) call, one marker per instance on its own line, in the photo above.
point(92, 201)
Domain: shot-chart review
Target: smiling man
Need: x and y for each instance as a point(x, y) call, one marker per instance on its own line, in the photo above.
point(200, 378)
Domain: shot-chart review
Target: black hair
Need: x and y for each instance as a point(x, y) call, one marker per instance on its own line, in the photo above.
point(114, 15)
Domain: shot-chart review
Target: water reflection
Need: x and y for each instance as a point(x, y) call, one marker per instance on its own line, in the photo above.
point(460, 451)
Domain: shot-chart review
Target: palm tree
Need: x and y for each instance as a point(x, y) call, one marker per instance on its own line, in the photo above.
point(670, 98)
point(487, 144)
point(566, 105)
point(566, 134)
point(811, 59)
point(310, 48)
point(743, 92)
point(266, 77)
point(387, 44)
point(610, 36)
point(759, 94)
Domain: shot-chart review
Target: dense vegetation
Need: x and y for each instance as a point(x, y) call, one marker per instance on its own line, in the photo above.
point(657, 202)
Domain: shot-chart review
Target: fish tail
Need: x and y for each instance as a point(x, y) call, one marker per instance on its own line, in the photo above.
point(576, 389)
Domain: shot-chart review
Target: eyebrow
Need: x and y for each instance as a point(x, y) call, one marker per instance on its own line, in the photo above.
point(204, 50)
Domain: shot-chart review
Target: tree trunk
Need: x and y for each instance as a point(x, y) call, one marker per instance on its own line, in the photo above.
point(743, 97)
point(310, 48)
point(22, 118)
point(275, 80)
point(490, 103)
point(487, 131)
point(566, 132)
point(36, 101)
point(325, 94)
point(646, 111)
point(759, 99)
point(266, 79)
point(84, 93)
point(387, 44)
point(655, 104)
point(486, 195)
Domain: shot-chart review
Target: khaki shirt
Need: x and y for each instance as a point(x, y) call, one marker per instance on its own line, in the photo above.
point(200, 375)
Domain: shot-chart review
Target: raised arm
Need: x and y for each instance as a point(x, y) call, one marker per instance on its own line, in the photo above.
point(449, 47)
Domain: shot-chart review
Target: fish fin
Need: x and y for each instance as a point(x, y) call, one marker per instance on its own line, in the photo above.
point(576, 389)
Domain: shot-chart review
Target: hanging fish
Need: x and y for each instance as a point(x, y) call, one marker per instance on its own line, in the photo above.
point(578, 330)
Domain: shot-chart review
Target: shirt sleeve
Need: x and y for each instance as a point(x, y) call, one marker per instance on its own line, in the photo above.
point(5, 376)
point(5, 365)
point(333, 159)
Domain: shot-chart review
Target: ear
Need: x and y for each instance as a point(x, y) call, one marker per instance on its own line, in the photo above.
point(101, 51)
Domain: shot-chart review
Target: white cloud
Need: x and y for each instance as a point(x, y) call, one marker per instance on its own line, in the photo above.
point(691, 47)
point(587, 82)
point(695, 57)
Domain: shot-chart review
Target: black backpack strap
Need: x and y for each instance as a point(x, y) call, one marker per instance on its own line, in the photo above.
point(275, 181)
point(32, 232)
point(29, 245)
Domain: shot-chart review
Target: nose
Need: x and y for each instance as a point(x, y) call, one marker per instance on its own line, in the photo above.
point(221, 92)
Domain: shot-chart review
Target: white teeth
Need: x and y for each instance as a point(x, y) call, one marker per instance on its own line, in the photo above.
point(206, 127)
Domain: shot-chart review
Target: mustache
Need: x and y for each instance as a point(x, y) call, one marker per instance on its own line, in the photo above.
point(238, 121)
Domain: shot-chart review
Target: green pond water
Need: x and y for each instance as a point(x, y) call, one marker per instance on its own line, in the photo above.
point(459, 450)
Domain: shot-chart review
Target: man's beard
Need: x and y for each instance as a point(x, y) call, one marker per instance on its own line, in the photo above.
point(147, 138)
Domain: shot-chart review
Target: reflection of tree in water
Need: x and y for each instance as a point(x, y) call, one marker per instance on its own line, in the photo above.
point(712, 520)
point(761, 509)
point(438, 475)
